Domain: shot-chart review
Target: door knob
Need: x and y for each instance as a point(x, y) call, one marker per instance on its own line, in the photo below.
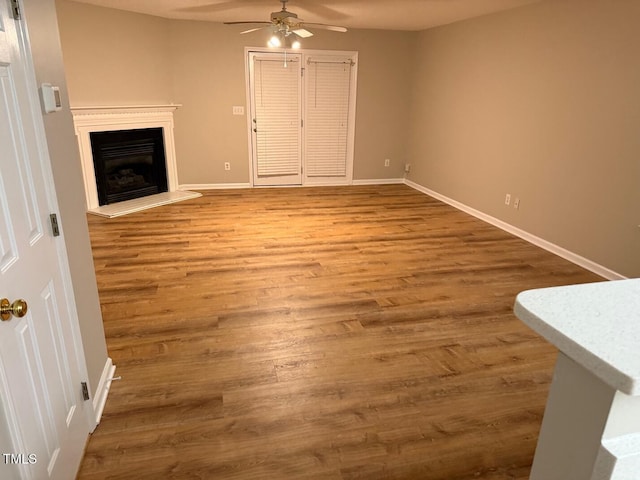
point(18, 308)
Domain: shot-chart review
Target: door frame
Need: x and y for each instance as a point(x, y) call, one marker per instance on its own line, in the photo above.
point(305, 53)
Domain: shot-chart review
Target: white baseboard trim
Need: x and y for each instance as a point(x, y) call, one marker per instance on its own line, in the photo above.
point(378, 181)
point(213, 186)
point(223, 186)
point(101, 393)
point(325, 183)
point(533, 239)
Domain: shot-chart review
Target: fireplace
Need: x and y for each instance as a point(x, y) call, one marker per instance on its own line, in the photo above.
point(133, 172)
point(128, 164)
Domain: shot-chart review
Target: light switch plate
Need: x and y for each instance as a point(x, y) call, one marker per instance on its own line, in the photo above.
point(238, 110)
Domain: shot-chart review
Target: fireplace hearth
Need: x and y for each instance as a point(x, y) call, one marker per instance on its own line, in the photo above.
point(128, 164)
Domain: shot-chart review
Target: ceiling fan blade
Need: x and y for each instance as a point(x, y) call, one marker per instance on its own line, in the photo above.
point(252, 30)
point(333, 28)
point(302, 33)
point(248, 22)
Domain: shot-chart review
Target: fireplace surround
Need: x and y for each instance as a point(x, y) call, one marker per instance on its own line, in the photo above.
point(90, 120)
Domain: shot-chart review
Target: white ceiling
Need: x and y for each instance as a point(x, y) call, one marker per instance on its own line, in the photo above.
point(379, 14)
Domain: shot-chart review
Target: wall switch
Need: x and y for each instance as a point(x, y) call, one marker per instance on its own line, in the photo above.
point(507, 199)
point(238, 110)
point(227, 166)
point(516, 203)
point(387, 162)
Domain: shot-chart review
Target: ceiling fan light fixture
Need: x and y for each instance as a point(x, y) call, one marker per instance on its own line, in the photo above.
point(275, 41)
point(283, 38)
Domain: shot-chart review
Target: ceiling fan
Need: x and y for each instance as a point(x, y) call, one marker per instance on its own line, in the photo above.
point(286, 24)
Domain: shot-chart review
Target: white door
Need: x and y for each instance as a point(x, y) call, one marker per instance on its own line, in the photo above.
point(44, 421)
point(276, 116)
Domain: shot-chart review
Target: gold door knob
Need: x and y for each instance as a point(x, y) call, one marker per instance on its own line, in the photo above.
point(17, 308)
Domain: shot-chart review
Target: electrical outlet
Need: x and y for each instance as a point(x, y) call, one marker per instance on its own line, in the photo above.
point(387, 162)
point(507, 199)
point(407, 167)
point(516, 203)
point(227, 166)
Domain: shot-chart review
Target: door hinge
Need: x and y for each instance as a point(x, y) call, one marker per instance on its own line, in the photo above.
point(85, 391)
point(54, 225)
point(15, 9)
point(301, 123)
point(302, 72)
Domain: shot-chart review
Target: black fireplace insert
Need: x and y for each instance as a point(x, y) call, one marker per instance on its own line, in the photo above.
point(129, 164)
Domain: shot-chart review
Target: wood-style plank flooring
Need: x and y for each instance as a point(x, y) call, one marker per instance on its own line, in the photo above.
point(318, 333)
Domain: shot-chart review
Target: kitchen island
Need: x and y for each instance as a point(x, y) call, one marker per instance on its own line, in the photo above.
point(591, 425)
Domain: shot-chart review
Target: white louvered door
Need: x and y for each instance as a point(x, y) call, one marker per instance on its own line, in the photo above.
point(328, 122)
point(276, 118)
point(302, 117)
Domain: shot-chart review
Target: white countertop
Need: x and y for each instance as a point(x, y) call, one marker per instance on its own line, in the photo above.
point(595, 324)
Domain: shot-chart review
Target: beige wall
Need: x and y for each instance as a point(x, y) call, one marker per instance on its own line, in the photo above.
point(113, 57)
point(541, 102)
point(65, 161)
point(201, 66)
point(208, 77)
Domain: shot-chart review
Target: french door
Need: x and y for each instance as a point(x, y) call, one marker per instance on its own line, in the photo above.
point(302, 109)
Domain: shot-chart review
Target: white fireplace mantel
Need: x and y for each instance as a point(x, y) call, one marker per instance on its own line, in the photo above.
point(107, 118)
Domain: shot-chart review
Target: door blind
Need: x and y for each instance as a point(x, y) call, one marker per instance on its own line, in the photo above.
point(327, 116)
point(277, 117)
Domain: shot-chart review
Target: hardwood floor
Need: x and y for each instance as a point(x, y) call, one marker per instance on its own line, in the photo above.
point(318, 333)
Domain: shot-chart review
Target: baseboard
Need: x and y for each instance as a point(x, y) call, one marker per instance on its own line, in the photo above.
point(325, 183)
point(533, 239)
point(101, 393)
point(223, 186)
point(213, 186)
point(378, 181)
